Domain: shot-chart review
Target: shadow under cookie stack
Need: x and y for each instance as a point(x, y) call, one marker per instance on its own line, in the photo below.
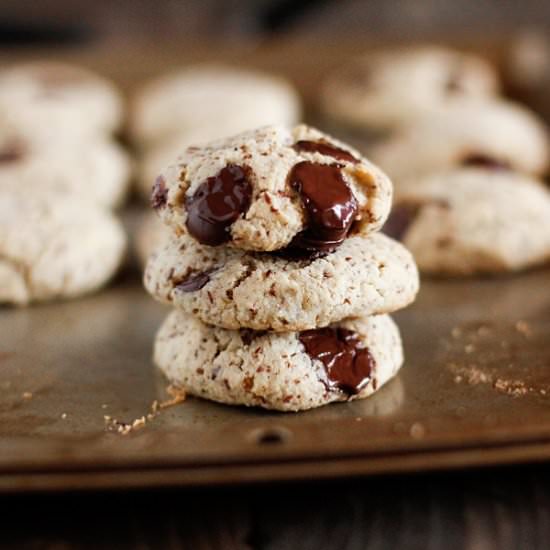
point(280, 281)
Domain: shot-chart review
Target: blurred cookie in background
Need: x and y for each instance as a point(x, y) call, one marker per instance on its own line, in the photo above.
point(46, 100)
point(211, 98)
point(473, 220)
point(98, 170)
point(150, 234)
point(384, 90)
point(495, 132)
point(55, 246)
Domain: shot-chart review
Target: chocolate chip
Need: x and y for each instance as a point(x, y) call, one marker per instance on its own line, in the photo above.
point(329, 203)
point(485, 161)
point(248, 336)
point(403, 215)
point(159, 195)
point(348, 365)
point(400, 219)
point(324, 148)
point(217, 203)
point(11, 153)
point(194, 281)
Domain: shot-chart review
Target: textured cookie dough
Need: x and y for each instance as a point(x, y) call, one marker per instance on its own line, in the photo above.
point(98, 170)
point(55, 246)
point(468, 132)
point(473, 220)
point(272, 371)
point(230, 288)
point(276, 213)
point(386, 89)
point(46, 100)
point(220, 99)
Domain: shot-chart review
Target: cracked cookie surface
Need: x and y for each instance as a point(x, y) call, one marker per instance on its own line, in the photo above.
point(473, 220)
point(231, 288)
point(278, 371)
point(54, 246)
point(270, 188)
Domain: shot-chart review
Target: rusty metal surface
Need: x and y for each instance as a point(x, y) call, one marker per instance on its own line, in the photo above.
point(475, 389)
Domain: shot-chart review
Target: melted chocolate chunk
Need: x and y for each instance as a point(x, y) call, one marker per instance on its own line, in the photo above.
point(10, 154)
point(348, 366)
point(329, 203)
point(485, 161)
point(325, 148)
point(194, 281)
point(217, 203)
point(159, 195)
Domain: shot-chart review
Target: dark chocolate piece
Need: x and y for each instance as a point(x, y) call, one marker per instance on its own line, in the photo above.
point(325, 148)
point(329, 203)
point(194, 281)
point(217, 203)
point(485, 161)
point(348, 366)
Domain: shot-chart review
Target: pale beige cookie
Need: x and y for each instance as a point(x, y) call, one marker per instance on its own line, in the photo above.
point(473, 220)
point(223, 99)
point(386, 89)
point(55, 246)
point(45, 100)
point(230, 288)
point(268, 188)
point(279, 371)
point(469, 132)
point(97, 170)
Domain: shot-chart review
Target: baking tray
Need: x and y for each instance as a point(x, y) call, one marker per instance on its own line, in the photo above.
point(474, 391)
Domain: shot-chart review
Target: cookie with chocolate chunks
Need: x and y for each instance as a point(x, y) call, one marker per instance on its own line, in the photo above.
point(289, 371)
point(231, 288)
point(274, 188)
point(472, 220)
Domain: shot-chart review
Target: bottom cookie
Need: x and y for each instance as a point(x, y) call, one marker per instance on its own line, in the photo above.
point(289, 371)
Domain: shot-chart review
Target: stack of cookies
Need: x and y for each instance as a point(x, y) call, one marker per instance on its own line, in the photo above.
point(466, 164)
point(279, 278)
point(61, 173)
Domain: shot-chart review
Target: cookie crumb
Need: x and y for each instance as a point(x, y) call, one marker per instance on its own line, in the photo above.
point(63, 416)
point(523, 328)
point(417, 431)
point(27, 395)
point(177, 395)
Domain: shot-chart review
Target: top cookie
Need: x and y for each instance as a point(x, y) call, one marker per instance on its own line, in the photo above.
point(271, 188)
point(386, 89)
point(223, 99)
point(41, 100)
point(467, 134)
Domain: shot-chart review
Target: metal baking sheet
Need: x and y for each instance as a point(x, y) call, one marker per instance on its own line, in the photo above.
point(475, 390)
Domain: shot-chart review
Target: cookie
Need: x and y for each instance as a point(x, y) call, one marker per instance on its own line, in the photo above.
point(230, 288)
point(46, 100)
point(473, 220)
point(222, 99)
point(55, 246)
point(271, 188)
point(162, 154)
point(468, 133)
point(289, 371)
point(386, 89)
point(98, 170)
